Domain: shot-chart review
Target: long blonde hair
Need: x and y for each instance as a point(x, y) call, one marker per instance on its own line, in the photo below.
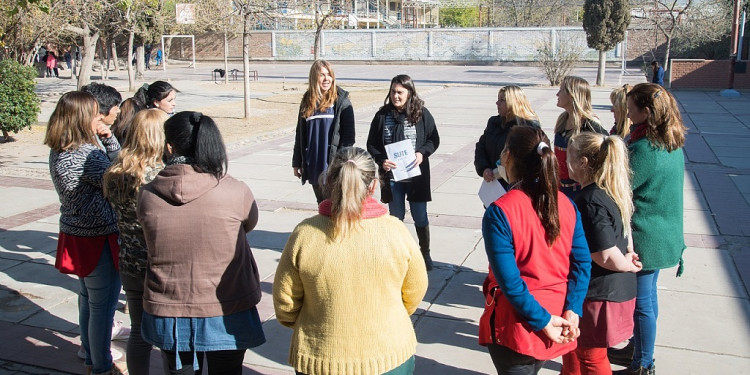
point(608, 167)
point(518, 105)
point(580, 96)
point(665, 128)
point(70, 124)
point(144, 148)
point(619, 100)
point(348, 180)
point(313, 98)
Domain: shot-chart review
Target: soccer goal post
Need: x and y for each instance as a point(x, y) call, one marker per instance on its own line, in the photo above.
point(164, 49)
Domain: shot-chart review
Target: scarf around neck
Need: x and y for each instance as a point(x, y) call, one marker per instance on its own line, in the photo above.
point(371, 208)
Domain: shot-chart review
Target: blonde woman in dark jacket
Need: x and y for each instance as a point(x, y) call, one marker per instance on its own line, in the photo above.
point(325, 124)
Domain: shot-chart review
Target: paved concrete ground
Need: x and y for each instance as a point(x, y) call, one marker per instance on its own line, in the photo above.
point(704, 326)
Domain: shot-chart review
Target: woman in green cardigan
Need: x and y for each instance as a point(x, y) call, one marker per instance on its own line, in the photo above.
point(658, 164)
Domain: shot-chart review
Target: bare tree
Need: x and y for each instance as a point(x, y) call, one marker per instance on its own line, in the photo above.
point(251, 12)
point(557, 60)
point(86, 19)
point(530, 13)
point(666, 16)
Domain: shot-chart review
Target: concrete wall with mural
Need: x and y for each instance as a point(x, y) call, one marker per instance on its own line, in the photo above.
point(476, 45)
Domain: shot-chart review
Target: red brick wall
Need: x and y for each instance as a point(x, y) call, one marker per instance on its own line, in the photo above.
point(706, 74)
point(210, 46)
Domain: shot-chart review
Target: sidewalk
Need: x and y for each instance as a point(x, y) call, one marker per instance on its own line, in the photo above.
point(704, 326)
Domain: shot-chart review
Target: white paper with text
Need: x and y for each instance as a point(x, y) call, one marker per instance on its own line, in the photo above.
point(402, 153)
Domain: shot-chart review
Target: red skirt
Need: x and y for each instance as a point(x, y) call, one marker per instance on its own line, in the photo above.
point(605, 324)
point(80, 255)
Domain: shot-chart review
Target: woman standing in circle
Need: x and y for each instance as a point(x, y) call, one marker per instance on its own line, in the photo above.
point(600, 164)
point(574, 97)
point(138, 163)
point(325, 124)
point(88, 242)
point(202, 283)
point(349, 278)
point(619, 100)
point(539, 261)
point(403, 116)
point(658, 164)
point(513, 109)
point(159, 95)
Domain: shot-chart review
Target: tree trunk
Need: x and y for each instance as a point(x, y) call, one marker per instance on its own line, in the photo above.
point(246, 62)
point(667, 65)
point(87, 56)
point(140, 61)
point(103, 61)
point(602, 65)
point(131, 72)
point(114, 56)
point(226, 63)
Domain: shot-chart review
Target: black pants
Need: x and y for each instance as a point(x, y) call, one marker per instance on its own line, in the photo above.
point(220, 362)
point(319, 191)
point(509, 362)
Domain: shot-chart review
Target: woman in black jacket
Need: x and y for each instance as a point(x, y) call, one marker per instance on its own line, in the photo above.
point(403, 116)
point(513, 109)
point(325, 124)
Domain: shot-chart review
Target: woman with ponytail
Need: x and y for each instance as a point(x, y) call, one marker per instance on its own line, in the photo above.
point(159, 95)
point(619, 100)
point(202, 283)
point(574, 97)
point(600, 164)
point(349, 278)
point(539, 261)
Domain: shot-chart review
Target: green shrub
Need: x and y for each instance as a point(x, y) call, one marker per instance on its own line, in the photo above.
point(19, 104)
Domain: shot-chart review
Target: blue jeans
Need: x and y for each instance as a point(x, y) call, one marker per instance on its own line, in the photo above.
point(97, 301)
point(397, 206)
point(646, 312)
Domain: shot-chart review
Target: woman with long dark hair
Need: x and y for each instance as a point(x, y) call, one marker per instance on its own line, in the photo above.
point(403, 116)
point(202, 284)
point(539, 261)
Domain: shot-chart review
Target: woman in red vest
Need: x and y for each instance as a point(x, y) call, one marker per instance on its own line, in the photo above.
point(539, 261)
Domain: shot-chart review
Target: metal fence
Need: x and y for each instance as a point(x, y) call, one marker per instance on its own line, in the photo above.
point(486, 44)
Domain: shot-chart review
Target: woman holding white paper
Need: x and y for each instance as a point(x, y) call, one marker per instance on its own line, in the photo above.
point(404, 117)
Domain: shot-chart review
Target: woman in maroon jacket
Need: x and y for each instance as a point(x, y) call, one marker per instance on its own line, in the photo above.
point(202, 283)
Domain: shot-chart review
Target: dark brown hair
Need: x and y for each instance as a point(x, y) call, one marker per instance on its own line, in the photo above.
point(535, 169)
point(664, 123)
point(413, 107)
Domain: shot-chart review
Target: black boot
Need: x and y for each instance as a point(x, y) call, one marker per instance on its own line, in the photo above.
point(621, 357)
point(423, 234)
point(639, 371)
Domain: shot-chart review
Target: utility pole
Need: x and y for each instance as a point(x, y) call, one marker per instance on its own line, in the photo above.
point(730, 91)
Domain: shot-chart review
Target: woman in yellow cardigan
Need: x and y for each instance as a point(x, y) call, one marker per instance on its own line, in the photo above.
point(349, 278)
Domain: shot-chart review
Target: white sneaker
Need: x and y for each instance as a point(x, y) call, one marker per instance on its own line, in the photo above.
point(119, 331)
point(116, 354)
